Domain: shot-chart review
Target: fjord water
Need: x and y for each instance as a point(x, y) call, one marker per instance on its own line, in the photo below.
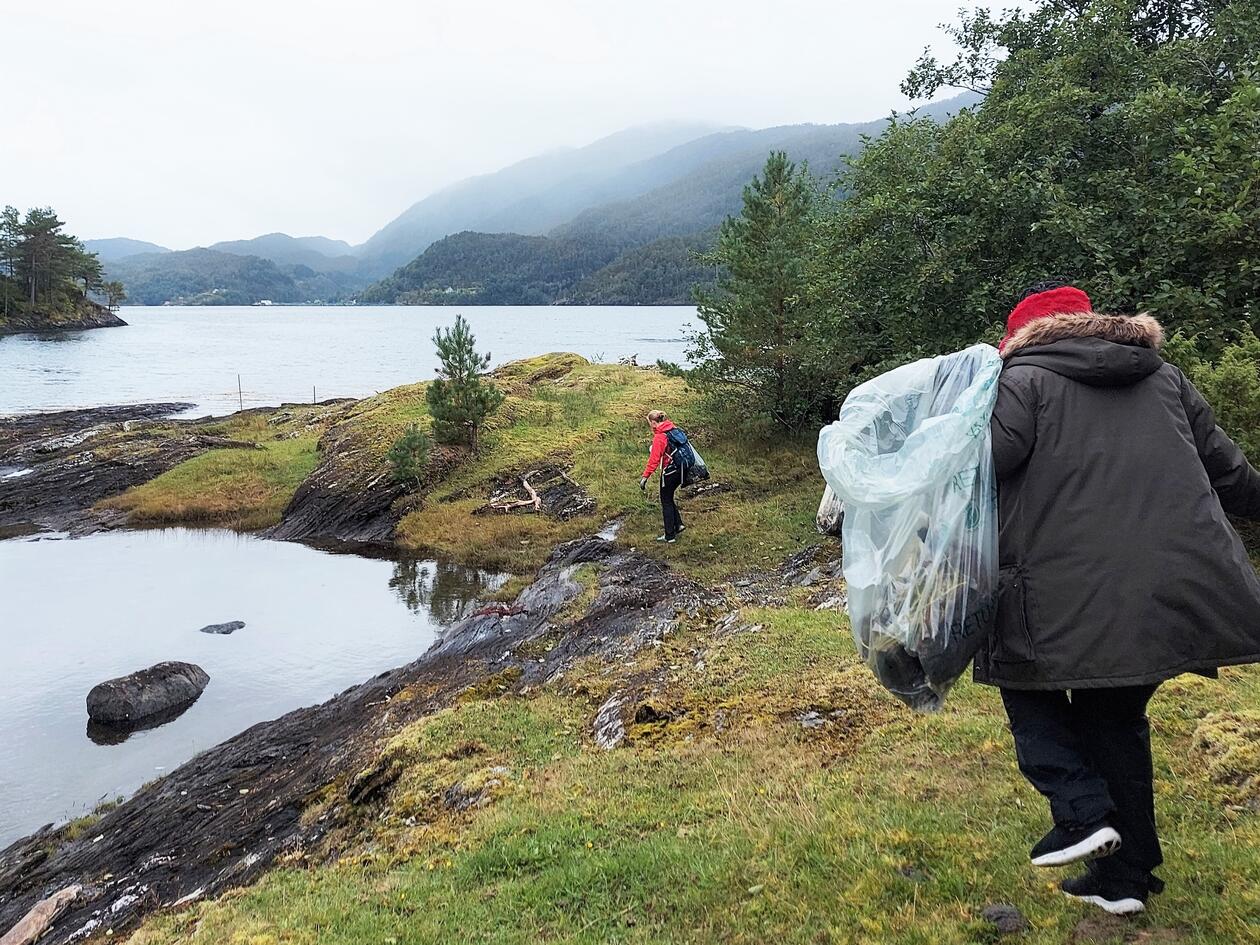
point(76, 612)
point(194, 354)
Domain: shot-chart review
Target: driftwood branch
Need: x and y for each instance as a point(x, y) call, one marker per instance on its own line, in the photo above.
point(532, 494)
point(533, 499)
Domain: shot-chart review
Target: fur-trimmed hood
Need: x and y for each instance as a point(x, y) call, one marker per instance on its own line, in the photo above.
point(1142, 331)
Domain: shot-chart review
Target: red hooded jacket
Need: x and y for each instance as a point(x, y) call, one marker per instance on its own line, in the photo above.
point(660, 443)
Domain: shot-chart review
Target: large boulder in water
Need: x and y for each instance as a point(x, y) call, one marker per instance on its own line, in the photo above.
point(161, 688)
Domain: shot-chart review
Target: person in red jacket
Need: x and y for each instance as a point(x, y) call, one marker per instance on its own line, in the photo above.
point(662, 456)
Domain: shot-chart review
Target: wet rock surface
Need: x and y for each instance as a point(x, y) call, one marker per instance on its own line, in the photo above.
point(162, 688)
point(69, 460)
point(350, 496)
point(222, 818)
point(223, 629)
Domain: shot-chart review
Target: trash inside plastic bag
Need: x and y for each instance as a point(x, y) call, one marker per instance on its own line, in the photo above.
point(695, 471)
point(910, 459)
point(830, 514)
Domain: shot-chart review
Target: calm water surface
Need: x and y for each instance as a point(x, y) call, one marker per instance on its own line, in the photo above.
point(77, 612)
point(194, 354)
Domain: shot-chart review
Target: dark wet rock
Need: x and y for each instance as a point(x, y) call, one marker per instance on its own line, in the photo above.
point(646, 713)
point(87, 314)
point(72, 459)
point(224, 817)
point(224, 628)
point(350, 495)
point(136, 696)
point(1005, 918)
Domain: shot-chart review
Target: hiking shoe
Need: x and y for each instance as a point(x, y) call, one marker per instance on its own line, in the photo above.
point(1115, 897)
point(681, 529)
point(1062, 846)
point(663, 538)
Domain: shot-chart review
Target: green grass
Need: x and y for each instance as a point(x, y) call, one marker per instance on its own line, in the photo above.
point(591, 418)
point(234, 488)
point(881, 827)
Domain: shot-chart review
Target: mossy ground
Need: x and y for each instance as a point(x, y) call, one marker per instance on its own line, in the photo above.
point(732, 823)
point(591, 418)
point(722, 819)
point(240, 488)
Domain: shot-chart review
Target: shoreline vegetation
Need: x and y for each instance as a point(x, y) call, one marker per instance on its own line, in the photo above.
point(639, 743)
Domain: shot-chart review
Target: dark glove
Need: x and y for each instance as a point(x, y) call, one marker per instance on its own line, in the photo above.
point(643, 483)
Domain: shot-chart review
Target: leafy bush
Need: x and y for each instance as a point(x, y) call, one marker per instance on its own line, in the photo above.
point(1230, 383)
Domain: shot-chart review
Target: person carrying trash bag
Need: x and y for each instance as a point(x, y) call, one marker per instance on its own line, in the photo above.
point(680, 465)
point(1118, 570)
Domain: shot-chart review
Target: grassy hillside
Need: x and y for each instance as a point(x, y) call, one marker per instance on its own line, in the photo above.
point(728, 821)
point(768, 789)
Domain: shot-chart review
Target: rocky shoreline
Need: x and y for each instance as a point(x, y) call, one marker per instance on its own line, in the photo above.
point(87, 315)
point(287, 787)
point(62, 463)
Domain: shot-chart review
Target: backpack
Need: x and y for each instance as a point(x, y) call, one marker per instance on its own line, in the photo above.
point(690, 465)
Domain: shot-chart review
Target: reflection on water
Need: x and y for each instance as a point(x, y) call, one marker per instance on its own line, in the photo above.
point(115, 733)
point(78, 612)
point(446, 591)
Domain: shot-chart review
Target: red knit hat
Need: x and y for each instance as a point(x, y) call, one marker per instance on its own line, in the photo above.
point(1066, 300)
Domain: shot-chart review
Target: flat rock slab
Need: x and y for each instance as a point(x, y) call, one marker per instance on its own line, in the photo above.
point(161, 688)
point(224, 628)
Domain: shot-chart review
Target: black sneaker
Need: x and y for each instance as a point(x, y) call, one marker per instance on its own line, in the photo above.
point(1115, 897)
point(1062, 846)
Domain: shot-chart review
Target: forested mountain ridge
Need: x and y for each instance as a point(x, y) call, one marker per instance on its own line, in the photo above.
point(211, 277)
point(529, 197)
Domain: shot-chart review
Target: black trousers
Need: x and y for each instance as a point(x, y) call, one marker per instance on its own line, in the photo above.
point(671, 479)
point(1089, 753)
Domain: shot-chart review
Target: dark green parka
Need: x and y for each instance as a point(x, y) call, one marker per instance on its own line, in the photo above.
point(1118, 564)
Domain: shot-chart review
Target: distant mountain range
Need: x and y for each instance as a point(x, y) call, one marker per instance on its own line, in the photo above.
point(112, 250)
point(616, 220)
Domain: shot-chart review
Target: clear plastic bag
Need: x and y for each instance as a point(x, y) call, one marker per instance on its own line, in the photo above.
point(830, 514)
point(911, 460)
point(695, 471)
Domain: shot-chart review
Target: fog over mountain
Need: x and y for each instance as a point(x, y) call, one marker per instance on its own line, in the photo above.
point(322, 119)
point(618, 219)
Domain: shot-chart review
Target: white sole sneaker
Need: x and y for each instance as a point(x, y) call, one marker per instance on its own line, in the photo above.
point(1102, 842)
point(1127, 906)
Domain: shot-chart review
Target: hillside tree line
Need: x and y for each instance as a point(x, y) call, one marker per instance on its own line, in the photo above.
point(1117, 143)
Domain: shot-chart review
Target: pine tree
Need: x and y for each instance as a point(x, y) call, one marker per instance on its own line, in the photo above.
point(761, 346)
point(460, 400)
point(409, 456)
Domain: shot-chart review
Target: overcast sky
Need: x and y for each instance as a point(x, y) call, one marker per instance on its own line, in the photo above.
point(187, 123)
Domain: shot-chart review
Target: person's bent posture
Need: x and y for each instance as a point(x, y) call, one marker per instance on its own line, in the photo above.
point(1119, 570)
point(662, 457)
